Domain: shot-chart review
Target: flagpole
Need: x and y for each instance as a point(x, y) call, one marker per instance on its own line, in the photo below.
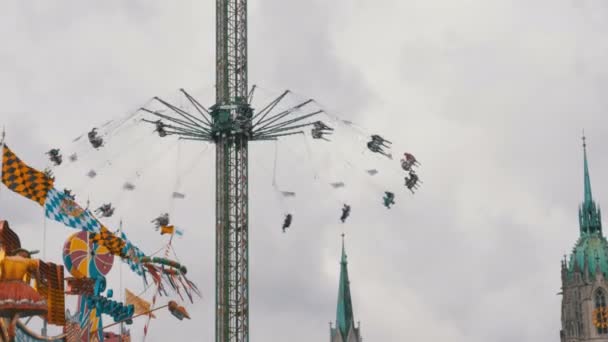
point(44, 325)
point(122, 295)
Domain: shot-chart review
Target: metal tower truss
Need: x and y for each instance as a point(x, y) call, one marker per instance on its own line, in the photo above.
point(231, 123)
point(231, 136)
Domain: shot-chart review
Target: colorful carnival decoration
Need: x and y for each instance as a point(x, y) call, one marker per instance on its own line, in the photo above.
point(80, 286)
point(84, 258)
point(17, 298)
point(51, 287)
point(113, 243)
point(61, 207)
point(178, 311)
point(117, 310)
point(141, 306)
point(89, 316)
point(164, 262)
point(23, 179)
point(88, 255)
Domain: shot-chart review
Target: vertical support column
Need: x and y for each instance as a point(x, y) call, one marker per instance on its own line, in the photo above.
point(232, 240)
point(232, 206)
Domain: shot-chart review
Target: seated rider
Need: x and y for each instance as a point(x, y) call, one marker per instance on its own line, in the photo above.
point(54, 156)
point(162, 220)
point(160, 128)
point(68, 194)
point(377, 138)
point(92, 134)
point(94, 139)
point(389, 199)
point(373, 146)
point(287, 222)
point(345, 212)
point(411, 182)
point(316, 133)
point(53, 152)
point(49, 173)
point(105, 210)
point(409, 157)
point(321, 126)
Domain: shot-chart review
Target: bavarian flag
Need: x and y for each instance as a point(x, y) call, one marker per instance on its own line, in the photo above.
point(61, 208)
point(24, 180)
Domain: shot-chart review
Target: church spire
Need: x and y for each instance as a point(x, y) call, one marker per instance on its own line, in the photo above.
point(590, 220)
point(344, 312)
point(588, 197)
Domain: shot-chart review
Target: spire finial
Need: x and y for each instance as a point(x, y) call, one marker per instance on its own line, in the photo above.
point(343, 250)
point(584, 138)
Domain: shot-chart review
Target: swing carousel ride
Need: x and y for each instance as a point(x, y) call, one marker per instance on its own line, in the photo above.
point(31, 287)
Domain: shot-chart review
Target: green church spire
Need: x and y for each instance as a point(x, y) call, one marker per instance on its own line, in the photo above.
point(588, 197)
point(590, 220)
point(590, 253)
point(344, 312)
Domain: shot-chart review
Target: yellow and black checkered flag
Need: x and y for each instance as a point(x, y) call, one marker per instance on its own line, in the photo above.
point(22, 179)
point(107, 239)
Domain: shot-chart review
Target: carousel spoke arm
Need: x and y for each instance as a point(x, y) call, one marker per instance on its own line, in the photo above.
point(172, 119)
point(269, 107)
point(176, 127)
point(205, 138)
point(274, 118)
point(188, 129)
point(199, 107)
point(250, 95)
point(288, 122)
point(194, 120)
point(275, 136)
point(283, 130)
point(189, 135)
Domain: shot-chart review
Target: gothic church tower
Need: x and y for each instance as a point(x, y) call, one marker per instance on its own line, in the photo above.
point(345, 330)
point(584, 283)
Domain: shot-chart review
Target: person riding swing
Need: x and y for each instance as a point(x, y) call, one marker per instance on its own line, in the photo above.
point(287, 221)
point(389, 199)
point(345, 212)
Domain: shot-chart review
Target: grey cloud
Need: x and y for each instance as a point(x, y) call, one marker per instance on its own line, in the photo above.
point(490, 95)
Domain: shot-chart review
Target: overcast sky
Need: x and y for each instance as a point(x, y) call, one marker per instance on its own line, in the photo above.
point(490, 95)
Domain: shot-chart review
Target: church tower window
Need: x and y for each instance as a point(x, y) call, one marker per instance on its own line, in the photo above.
point(600, 314)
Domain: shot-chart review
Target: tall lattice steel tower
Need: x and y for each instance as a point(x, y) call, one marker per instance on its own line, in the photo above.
point(231, 123)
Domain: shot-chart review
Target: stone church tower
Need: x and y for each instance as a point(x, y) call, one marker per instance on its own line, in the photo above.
point(584, 276)
point(345, 330)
